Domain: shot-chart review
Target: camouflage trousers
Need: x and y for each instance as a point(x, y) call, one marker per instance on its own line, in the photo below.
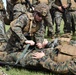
point(48, 22)
point(3, 36)
point(73, 20)
point(46, 62)
point(58, 19)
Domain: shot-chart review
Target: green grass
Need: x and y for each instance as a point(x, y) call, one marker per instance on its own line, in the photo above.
point(7, 27)
point(16, 71)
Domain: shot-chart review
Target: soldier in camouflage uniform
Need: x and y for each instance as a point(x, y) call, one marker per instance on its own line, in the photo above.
point(59, 15)
point(48, 19)
point(27, 27)
point(2, 25)
point(51, 59)
point(72, 11)
point(15, 8)
point(3, 37)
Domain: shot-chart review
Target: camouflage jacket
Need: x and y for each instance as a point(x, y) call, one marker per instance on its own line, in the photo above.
point(2, 25)
point(15, 8)
point(20, 29)
point(49, 2)
point(56, 3)
point(73, 3)
point(64, 67)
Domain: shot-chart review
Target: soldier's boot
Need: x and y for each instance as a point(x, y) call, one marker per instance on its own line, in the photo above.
point(57, 34)
point(73, 33)
point(50, 34)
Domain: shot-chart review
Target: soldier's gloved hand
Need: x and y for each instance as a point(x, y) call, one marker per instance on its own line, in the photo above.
point(31, 42)
point(60, 8)
point(42, 45)
point(39, 45)
point(45, 42)
point(65, 5)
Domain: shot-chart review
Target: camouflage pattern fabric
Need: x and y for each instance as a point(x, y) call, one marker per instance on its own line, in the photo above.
point(58, 67)
point(42, 11)
point(69, 66)
point(59, 16)
point(19, 32)
point(18, 9)
point(58, 19)
point(15, 8)
point(72, 11)
point(73, 20)
point(48, 62)
point(47, 19)
point(2, 25)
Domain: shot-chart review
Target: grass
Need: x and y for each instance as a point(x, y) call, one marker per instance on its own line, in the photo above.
point(16, 71)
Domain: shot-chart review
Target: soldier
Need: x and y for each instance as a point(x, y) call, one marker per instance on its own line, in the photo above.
point(2, 25)
point(48, 19)
point(27, 27)
point(51, 59)
point(59, 14)
point(72, 11)
point(15, 8)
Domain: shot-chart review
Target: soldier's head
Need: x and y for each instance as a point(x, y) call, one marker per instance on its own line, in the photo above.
point(41, 10)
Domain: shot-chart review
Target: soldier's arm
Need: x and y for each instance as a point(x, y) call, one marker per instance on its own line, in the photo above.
point(50, 3)
point(17, 26)
point(46, 62)
point(39, 35)
point(69, 3)
point(54, 5)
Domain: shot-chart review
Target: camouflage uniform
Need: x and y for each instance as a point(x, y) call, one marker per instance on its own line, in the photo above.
point(59, 16)
point(2, 25)
point(52, 10)
point(72, 11)
point(15, 8)
point(48, 61)
point(26, 28)
point(48, 19)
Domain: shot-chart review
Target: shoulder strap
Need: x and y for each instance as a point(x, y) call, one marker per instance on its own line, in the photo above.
point(31, 18)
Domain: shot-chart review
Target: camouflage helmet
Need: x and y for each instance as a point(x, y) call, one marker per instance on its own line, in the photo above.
point(42, 8)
